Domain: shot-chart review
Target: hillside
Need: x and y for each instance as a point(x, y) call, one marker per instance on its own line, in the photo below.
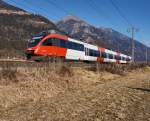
point(17, 26)
point(105, 37)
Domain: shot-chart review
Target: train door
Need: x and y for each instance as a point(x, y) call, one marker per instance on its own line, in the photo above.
point(86, 53)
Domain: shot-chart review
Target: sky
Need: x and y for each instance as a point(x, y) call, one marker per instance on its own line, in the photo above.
point(119, 15)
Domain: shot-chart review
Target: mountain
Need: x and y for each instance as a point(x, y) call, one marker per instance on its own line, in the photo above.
point(104, 37)
point(17, 26)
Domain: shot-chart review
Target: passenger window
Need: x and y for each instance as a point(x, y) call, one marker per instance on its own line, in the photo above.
point(63, 44)
point(123, 58)
point(97, 53)
point(110, 56)
point(47, 42)
point(128, 59)
point(103, 55)
point(117, 57)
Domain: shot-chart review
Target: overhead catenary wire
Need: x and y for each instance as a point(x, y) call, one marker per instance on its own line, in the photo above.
point(45, 11)
point(120, 13)
point(94, 7)
point(54, 5)
point(57, 6)
point(29, 8)
point(34, 11)
point(22, 5)
point(132, 29)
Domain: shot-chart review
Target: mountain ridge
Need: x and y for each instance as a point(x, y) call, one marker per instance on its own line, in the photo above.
point(17, 26)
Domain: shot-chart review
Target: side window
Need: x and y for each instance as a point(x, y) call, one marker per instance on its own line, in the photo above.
point(96, 53)
point(128, 59)
point(110, 56)
point(63, 43)
point(81, 47)
point(75, 46)
point(103, 55)
point(123, 58)
point(90, 52)
point(47, 42)
point(117, 57)
point(69, 45)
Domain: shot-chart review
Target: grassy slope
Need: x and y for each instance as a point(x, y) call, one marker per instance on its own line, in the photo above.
point(77, 94)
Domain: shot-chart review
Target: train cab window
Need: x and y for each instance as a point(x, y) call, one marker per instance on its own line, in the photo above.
point(47, 42)
point(103, 55)
point(62, 43)
point(55, 41)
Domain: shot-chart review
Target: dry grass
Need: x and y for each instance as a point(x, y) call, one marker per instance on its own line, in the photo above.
point(46, 92)
point(120, 69)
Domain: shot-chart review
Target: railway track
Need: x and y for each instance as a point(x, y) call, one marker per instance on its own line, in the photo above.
point(14, 60)
point(13, 63)
point(24, 63)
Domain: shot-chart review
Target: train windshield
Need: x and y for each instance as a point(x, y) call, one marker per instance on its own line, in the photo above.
point(34, 41)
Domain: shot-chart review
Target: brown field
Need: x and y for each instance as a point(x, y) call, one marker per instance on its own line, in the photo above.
point(62, 93)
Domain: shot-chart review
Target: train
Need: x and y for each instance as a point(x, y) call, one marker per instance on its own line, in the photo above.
point(57, 45)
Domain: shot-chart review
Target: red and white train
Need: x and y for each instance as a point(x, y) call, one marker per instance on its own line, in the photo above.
point(62, 46)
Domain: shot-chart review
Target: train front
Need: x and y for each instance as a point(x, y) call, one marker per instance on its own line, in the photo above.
point(32, 46)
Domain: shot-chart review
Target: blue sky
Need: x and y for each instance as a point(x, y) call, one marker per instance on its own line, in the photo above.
point(100, 13)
